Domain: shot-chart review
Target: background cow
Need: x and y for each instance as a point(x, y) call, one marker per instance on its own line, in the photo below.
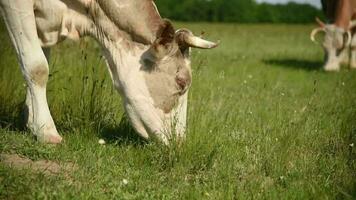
point(148, 60)
point(338, 38)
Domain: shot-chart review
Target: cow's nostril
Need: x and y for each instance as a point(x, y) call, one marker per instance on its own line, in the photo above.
point(182, 82)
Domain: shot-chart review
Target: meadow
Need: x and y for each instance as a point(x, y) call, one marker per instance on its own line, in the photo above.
point(265, 122)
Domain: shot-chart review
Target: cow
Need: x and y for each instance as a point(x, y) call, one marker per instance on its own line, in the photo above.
point(148, 60)
point(338, 38)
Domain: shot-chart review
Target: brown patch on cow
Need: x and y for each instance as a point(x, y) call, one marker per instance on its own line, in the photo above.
point(163, 89)
point(167, 78)
point(46, 167)
point(40, 75)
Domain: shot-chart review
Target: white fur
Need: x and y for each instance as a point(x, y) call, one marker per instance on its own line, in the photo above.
point(336, 48)
point(58, 21)
point(19, 19)
point(353, 52)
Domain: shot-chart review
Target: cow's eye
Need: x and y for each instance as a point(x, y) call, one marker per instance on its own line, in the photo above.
point(149, 64)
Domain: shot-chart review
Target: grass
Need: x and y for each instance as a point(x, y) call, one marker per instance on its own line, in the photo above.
point(265, 122)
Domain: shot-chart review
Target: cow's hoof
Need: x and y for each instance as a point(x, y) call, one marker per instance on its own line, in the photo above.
point(50, 139)
point(332, 69)
point(48, 134)
point(353, 66)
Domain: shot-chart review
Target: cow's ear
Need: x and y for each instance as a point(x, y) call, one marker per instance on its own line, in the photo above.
point(165, 34)
point(164, 41)
point(186, 51)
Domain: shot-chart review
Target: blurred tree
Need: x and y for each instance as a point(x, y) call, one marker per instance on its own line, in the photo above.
point(243, 11)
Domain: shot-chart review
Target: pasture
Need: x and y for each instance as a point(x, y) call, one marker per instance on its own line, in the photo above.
point(265, 122)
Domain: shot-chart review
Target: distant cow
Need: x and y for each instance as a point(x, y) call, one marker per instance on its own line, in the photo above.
point(338, 38)
point(148, 60)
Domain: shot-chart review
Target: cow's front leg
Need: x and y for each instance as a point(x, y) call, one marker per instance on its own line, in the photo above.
point(28, 103)
point(353, 53)
point(353, 58)
point(20, 21)
point(345, 57)
point(39, 119)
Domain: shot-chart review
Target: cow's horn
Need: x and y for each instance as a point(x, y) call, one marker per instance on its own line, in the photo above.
point(314, 32)
point(352, 25)
point(186, 38)
point(349, 37)
point(321, 23)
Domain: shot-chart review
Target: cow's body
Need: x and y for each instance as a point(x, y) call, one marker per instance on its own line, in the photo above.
point(339, 39)
point(148, 62)
point(339, 12)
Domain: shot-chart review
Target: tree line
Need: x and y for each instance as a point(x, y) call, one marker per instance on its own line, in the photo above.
point(242, 11)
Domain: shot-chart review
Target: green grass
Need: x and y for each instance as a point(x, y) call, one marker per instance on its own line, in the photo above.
point(265, 122)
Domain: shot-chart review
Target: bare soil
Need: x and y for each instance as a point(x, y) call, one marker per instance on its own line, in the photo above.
point(40, 166)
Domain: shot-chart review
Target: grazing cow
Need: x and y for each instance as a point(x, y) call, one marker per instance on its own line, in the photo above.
point(148, 60)
point(338, 38)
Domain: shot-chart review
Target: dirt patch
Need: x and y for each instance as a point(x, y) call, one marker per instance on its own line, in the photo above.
point(41, 166)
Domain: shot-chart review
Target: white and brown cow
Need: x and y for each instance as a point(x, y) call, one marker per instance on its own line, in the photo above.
point(148, 60)
point(338, 40)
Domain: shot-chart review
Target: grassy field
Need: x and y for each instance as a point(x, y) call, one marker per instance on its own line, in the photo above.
point(265, 122)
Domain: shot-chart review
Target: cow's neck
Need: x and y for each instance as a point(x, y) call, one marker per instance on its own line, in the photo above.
point(80, 18)
point(345, 11)
point(120, 46)
point(136, 20)
point(140, 19)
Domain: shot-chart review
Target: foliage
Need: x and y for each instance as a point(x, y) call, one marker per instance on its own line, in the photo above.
point(243, 11)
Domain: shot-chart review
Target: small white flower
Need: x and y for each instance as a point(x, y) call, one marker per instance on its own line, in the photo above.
point(343, 83)
point(352, 145)
point(102, 142)
point(282, 94)
point(125, 181)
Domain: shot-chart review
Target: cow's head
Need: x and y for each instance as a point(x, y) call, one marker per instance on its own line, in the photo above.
point(149, 63)
point(154, 80)
point(335, 44)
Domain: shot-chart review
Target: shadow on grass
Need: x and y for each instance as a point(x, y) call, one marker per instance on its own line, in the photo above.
point(12, 117)
point(122, 134)
point(295, 64)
